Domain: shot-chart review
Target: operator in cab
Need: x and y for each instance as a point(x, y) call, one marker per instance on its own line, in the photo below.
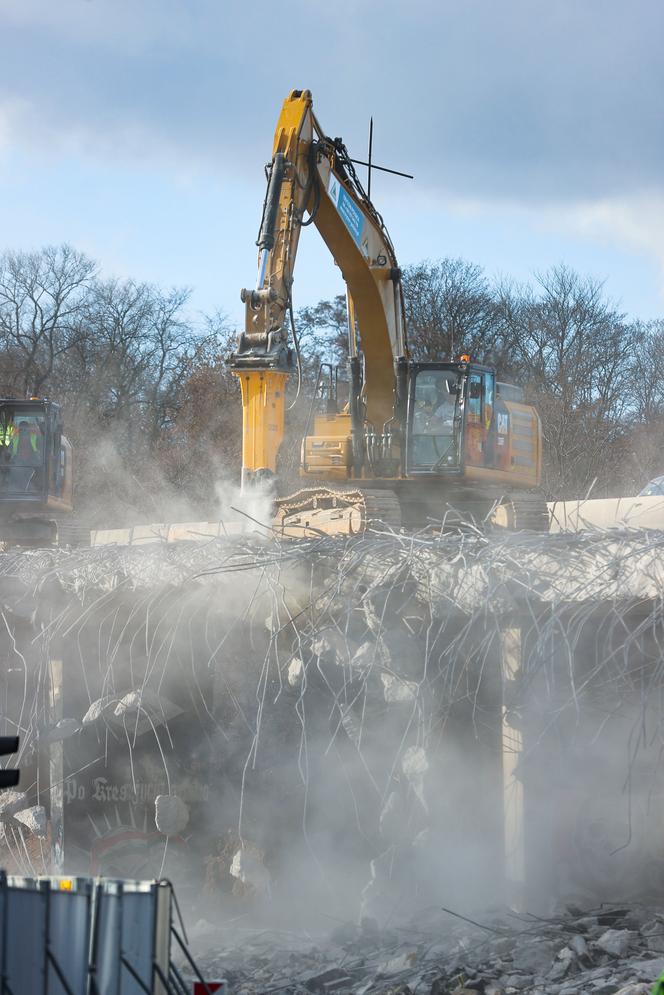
point(27, 448)
point(445, 405)
point(424, 413)
point(22, 455)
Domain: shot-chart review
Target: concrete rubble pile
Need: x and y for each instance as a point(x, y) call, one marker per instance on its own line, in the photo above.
point(603, 951)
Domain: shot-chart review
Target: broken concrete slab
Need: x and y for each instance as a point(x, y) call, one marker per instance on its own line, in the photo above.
point(616, 941)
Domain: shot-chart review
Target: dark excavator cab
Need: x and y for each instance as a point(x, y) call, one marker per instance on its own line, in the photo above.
point(36, 480)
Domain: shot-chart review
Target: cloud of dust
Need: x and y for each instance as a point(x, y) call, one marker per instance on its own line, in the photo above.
point(336, 748)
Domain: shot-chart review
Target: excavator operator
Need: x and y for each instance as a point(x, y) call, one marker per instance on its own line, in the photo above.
point(22, 455)
point(445, 403)
point(424, 414)
point(26, 444)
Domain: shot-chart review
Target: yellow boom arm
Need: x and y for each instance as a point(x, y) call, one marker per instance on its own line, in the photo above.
point(312, 174)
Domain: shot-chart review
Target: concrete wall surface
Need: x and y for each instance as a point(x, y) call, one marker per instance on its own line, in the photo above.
point(607, 513)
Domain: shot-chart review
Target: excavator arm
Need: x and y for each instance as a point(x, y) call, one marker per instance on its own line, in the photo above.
point(311, 179)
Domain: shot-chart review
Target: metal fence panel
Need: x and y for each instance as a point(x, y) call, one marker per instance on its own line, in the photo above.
point(162, 943)
point(132, 934)
point(108, 932)
point(69, 936)
point(139, 910)
point(75, 937)
point(23, 928)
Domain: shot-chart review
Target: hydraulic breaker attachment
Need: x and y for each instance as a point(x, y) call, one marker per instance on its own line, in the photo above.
point(262, 422)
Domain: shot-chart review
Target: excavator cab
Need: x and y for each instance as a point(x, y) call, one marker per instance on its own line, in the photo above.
point(433, 442)
point(36, 480)
point(462, 421)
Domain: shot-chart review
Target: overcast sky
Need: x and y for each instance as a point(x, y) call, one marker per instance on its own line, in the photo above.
point(137, 130)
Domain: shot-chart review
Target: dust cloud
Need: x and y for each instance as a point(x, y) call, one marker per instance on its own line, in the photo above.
point(319, 731)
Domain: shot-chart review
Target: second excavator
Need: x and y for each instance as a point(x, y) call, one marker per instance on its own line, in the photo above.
point(36, 474)
point(414, 443)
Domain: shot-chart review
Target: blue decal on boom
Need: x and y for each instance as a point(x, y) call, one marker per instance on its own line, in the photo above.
point(350, 213)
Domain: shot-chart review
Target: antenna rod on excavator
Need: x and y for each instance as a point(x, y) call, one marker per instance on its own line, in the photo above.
point(369, 163)
point(383, 169)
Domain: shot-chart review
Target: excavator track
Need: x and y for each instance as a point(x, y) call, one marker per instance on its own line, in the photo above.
point(324, 510)
point(382, 506)
point(521, 512)
point(321, 510)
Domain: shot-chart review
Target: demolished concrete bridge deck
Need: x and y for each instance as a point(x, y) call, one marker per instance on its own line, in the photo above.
point(378, 718)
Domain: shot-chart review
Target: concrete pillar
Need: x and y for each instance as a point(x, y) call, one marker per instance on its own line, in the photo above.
point(513, 800)
point(466, 804)
point(56, 769)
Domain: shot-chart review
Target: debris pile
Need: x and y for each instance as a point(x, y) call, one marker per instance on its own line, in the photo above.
point(255, 717)
point(604, 951)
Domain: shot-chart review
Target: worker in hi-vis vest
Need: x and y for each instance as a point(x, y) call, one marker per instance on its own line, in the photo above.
point(22, 442)
point(26, 444)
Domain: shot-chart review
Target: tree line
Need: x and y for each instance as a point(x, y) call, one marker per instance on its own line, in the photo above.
point(154, 415)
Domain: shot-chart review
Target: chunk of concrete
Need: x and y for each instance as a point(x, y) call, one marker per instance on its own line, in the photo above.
point(248, 867)
point(330, 643)
point(398, 691)
point(329, 980)
point(295, 672)
point(368, 655)
point(647, 970)
point(34, 819)
point(616, 942)
point(12, 801)
point(61, 730)
point(578, 944)
point(535, 957)
point(97, 709)
point(395, 965)
point(171, 815)
point(142, 709)
point(414, 763)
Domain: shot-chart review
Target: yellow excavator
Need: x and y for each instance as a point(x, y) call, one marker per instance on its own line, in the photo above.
point(413, 443)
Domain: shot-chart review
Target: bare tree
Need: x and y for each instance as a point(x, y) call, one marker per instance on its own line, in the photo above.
point(42, 296)
point(451, 309)
point(169, 348)
point(121, 385)
point(647, 386)
point(202, 445)
point(323, 332)
point(575, 353)
point(153, 410)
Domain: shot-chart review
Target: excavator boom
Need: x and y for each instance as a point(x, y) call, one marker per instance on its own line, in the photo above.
point(312, 174)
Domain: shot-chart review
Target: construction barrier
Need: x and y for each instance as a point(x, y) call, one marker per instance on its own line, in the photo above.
point(85, 936)
point(642, 512)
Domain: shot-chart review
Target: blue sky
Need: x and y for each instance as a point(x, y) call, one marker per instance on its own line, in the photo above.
point(137, 130)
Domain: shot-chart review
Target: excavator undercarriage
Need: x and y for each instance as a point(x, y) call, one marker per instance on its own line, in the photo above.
point(325, 510)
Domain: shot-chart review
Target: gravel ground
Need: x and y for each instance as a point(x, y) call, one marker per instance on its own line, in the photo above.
point(602, 951)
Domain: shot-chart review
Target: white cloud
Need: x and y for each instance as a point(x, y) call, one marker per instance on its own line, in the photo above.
point(523, 98)
point(637, 221)
point(618, 238)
